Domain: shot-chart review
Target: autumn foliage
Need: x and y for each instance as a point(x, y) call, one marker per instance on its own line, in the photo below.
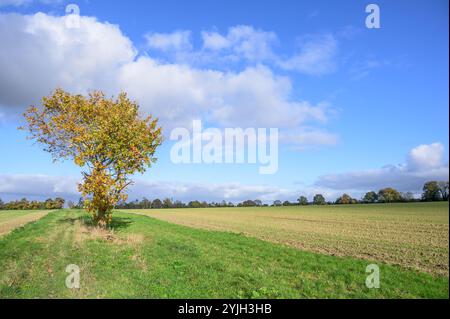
point(104, 136)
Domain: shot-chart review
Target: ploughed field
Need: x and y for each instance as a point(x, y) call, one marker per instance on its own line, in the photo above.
point(286, 252)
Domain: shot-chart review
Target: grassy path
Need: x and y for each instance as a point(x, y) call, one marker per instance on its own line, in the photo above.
point(149, 258)
point(10, 220)
point(413, 235)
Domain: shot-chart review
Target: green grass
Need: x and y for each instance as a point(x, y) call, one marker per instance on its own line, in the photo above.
point(150, 258)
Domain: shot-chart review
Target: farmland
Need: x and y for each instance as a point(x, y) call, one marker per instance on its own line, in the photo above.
point(413, 235)
point(146, 257)
point(10, 220)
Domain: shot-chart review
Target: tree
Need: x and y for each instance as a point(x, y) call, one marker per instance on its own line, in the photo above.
point(2, 204)
point(345, 199)
point(145, 203)
point(302, 200)
point(248, 203)
point(443, 189)
point(287, 203)
point(106, 137)
point(178, 204)
point(319, 199)
point(48, 204)
point(58, 203)
point(370, 197)
point(389, 195)
point(35, 205)
point(277, 203)
point(431, 191)
point(167, 203)
point(258, 202)
point(157, 203)
point(194, 204)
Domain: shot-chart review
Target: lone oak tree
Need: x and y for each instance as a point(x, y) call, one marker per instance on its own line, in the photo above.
point(106, 137)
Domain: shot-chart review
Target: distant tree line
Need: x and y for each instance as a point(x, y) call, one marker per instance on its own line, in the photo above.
point(25, 204)
point(169, 203)
point(432, 191)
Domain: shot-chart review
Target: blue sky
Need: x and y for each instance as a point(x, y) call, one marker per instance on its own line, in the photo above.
point(362, 108)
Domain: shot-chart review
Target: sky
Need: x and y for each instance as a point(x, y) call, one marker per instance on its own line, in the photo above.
point(357, 109)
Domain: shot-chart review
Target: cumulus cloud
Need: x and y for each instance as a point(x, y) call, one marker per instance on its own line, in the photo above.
point(426, 157)
point(242, 42)
point(254, 97)
point(178, 40)
point(37, 186)
point(214, 41)
point(316, 56)
point(424, 163)
point(39, 52)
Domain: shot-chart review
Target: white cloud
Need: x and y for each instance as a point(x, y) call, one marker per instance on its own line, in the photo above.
point(254, 97)
point(214, 41)
point(178, 40)
point(37, 186)
point(39, 53)
point(243, 41)
point(208, 192)
point(316, 53)
point(316, 56)
point(424, 163)
point(425, 157)
point(44, 186)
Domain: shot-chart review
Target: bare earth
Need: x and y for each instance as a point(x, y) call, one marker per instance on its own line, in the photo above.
point(10, 220)
point(413, 235)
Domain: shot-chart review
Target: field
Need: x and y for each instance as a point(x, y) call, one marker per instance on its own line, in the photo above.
point(413, 235)
point(10, 220)
point(146, 257)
